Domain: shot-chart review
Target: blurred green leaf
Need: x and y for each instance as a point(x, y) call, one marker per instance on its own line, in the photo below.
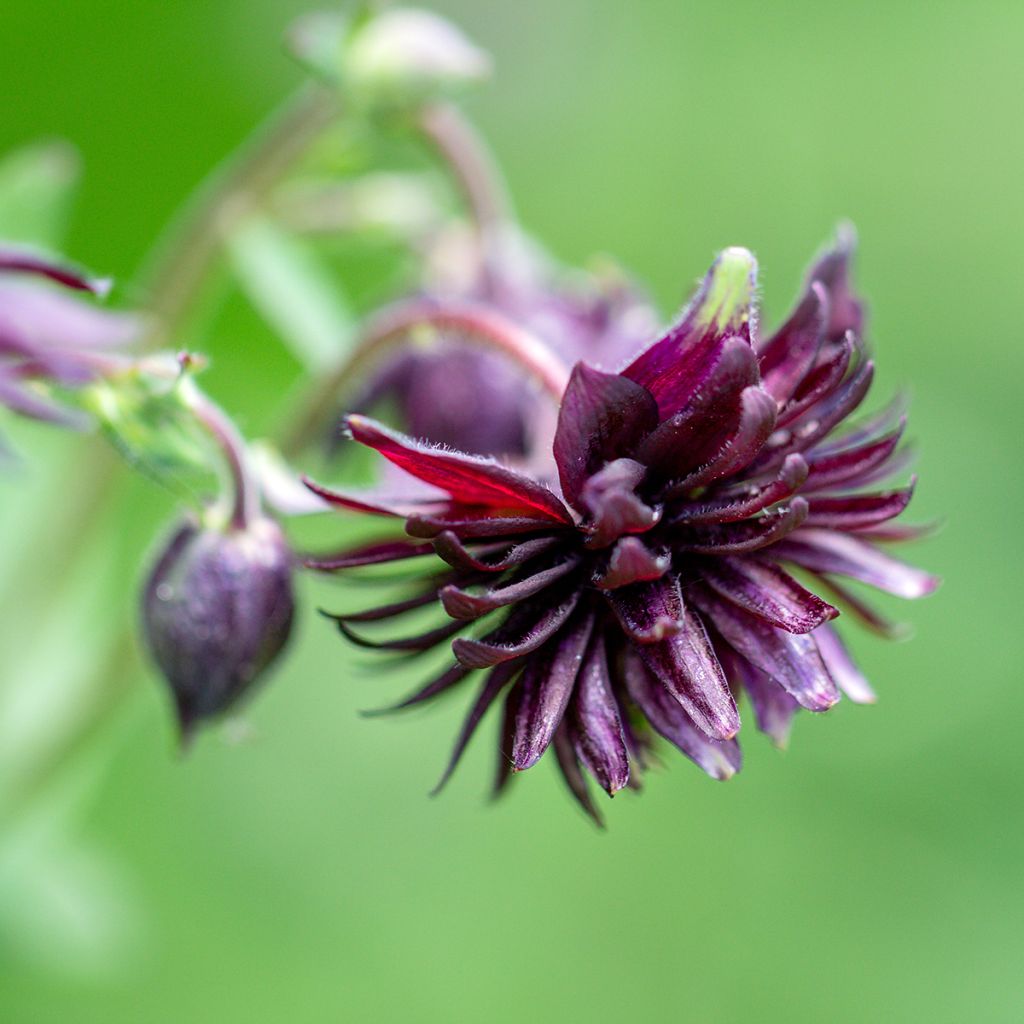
point(38, 184)
point(293, 290)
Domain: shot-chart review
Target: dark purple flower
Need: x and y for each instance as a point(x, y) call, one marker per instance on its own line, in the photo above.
point(453, 392)
point(217, 611)
point(49, 338)
point(653, 585)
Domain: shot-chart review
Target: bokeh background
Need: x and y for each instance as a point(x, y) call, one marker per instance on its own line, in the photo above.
point(299, 872)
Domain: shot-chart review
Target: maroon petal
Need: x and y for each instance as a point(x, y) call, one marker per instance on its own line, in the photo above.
point(495, 557)
point(790, 354)
point(842, 668)
point(673, 368)
point(594, 723)
point(460, 604)
point(493, 684)
point(451, 676)
point(420, 642)
point(721, 759)
point(858, 512)
point(832, 269)
point(649, 612)
point(766, 591)
point(821, 420)
point(632, 561)
point(751, 535)
point(388, 611)
point(821, 382)
point(22, 261)
point(863, 611)
point(848, 465)
point(468, 479)
point(686, 664)
point(575, 781)
point(789, 658)
point(470, 523)
point(732, 507)
point(602, 417)
point(774, 708)
point(831, 552)
point(615, 509)
point(702, 427)
point(545, 689)
point(514, 638)
point(370, 554)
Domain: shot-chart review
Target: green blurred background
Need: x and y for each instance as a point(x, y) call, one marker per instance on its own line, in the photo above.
point(870, 873)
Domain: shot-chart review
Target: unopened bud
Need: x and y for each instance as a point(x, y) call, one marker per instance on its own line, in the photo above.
point(218, 610)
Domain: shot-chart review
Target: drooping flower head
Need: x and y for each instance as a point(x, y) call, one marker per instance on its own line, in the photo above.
point(49, 338)
point(652, 584)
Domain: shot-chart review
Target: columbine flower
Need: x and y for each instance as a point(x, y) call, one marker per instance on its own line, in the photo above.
point(49, 338)
point(653, 585)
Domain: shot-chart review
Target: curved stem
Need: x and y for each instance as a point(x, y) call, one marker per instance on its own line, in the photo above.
point(246, 499)
point(393, 327)
point(467, 158)
point(183, 260)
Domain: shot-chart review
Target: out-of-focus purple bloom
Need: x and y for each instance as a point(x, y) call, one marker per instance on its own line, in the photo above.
point(649, 587)
point(51, 338)
point(218, 610)
point(451, 391)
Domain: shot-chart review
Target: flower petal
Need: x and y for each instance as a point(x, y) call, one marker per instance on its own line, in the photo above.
point(649, 612)
point(831, 552)
point(789, 355)
point(451, 676)
point(495, 557)
point(469, 479)
point(471, 523)
point(495, 681)
point(594, 722)
point(766, 591)
point(370, 554)
point(842, 668)
point(791, 659)
point(774, 708)
point(602, 417)
point(517, 636)
point(610, 497)
point(632, 561)
point(460, 604)
point(575, 781)
point(375, 502)
point(686, 664)
point(848, 465)
point(858, 512)
point(545, 689)
point(749, 535)
point(674, 366)
point(721, 759)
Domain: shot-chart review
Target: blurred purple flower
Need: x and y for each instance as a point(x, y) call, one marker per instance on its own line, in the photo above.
point(456, 393)
point(49, 337)
point(652, 586)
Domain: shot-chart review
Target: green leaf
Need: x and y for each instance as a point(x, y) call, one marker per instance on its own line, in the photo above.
point(37, 188)
point(292, 289)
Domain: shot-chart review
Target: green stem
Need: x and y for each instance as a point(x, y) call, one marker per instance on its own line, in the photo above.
point(183, 260)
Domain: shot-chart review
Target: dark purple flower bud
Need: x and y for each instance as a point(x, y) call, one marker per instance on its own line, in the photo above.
point(217, 611)
point(646, 587)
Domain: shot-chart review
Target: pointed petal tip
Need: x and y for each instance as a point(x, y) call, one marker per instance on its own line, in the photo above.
point(730, 289)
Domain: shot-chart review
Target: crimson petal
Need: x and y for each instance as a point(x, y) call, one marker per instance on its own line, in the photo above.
point(790, 354)
point(846, 466)
point(470, 480)
point(860, 511)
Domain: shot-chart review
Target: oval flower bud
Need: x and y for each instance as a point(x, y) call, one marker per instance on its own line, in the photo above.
point(217, 610)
